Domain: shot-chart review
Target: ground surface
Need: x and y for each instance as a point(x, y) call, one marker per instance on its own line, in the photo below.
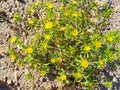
point(13, 75)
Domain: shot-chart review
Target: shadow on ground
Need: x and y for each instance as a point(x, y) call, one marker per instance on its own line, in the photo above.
point(114, 76)
point(3, 86)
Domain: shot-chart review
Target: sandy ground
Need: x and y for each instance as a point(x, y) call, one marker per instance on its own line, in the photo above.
point(14, 75)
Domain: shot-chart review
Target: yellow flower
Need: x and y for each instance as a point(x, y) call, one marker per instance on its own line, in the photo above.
point(12, 57)
point(91, 86)
point(16, 16)
point(98, 44)
point(87, 48)
point(74, 32)
point(36, 3)
point(43, 72)
point(13, 39)
point(52, 60)
point(62, 29)
point(35, 65)
point(56, 22)
point(110, 39)
point(47, 37)
point(81, 11)
point(73, 51)
point(59, 41)
point(101, 62)
point(48, 25)
point(78, 75)
point(49, 5)
point(59, 59)
point(31, 22)
point(84, 63)
point(20, 64)
point(67, 13)
point(29, 50)
point(30, 10)
point(60, 8)
point(75, 14)
point(85, 17)
point(63, 77)
point(74, 2)
point(44, 46)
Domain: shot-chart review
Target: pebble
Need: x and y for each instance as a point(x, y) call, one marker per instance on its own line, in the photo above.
point(115, 80)
point(9, 82)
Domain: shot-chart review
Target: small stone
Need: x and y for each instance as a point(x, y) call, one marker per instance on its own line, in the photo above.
point(5, 79)
point(9, 82)
point(3, 67)
point(16, 76)
point(55, 0)
point(19, 88)
point(115, 80)
point(111, 73)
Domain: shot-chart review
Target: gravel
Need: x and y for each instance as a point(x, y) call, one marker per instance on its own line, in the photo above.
point(14, 76)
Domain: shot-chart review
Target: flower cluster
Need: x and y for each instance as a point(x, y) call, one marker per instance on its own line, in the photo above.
point(67, 41)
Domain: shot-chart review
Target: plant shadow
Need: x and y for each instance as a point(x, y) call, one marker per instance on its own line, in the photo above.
point(114, 77)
